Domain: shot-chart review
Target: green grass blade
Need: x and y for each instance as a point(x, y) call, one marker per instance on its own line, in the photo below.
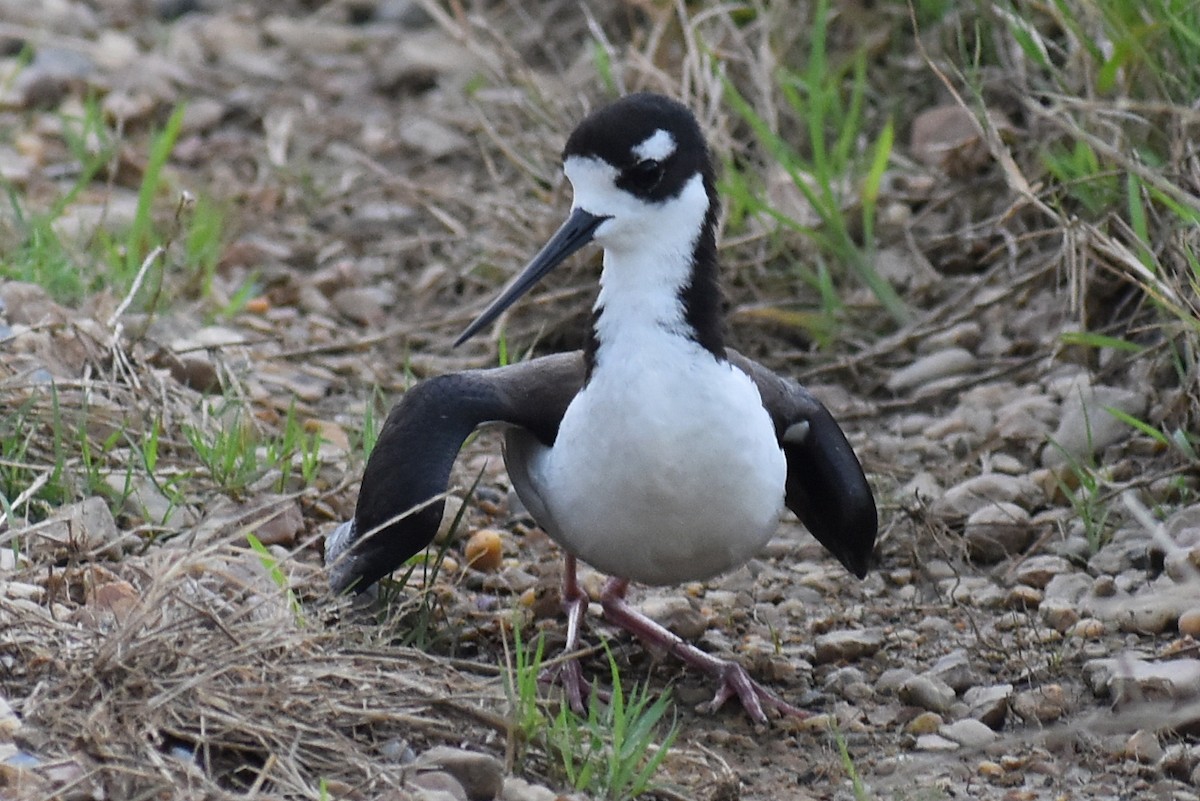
point(138, 242)
point(1099, 341)
point(1140, 425)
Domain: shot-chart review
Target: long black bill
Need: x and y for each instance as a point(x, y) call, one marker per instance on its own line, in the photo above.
point(571, 236)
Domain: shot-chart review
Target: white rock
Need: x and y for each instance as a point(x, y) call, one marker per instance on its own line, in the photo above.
point(951, 361)
point(1133, 680)
point(989, 705)
point(846, 645)
point(1087, 427)
point(927, 693)
point(1042, 704)
point(892, 679)
point(850, 683)
point(935, 742)
point(1038, 571)
point(1155, 609)
point(955, 669)
point(1068, 587)
point(968, 732)
point(1183, 564)
point(1059, 615)
point(963, 335)
point(1118, 556)
point(20, 589)
point(997, 531)
point(1143, 746)
point(432, 138)
point(1009, 465)
point(1183, 527)
point(920, 489)
point(83, 528)
point(481, 775)
point(677, 614)
point(1026, 419)
point(518, 789)
point(988, 489)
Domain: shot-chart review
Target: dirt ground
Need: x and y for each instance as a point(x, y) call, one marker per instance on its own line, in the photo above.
point(379, 168)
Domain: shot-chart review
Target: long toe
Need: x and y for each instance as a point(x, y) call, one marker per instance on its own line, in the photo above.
point(736, 682)
point(568, 675)
point(732, 677)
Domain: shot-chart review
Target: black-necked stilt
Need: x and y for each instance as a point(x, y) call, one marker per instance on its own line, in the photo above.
point(655, 455)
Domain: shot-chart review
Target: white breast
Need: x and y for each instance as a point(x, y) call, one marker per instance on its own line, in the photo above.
point(665, 469)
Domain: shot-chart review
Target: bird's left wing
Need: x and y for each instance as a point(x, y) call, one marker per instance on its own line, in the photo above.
point(399, 508)
point(826, 487)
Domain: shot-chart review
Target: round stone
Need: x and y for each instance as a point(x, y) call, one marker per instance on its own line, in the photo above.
point(1189, 623)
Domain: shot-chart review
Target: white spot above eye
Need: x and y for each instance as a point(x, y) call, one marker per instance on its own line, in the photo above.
point(657, 148)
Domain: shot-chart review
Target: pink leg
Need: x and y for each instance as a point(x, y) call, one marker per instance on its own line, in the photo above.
point(575, 602)
point(732, 677)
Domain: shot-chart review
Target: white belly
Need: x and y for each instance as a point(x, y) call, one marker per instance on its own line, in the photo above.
point(662, 472)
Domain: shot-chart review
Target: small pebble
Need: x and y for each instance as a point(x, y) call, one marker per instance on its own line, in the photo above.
point(1088, 628)
point(969, 732)
point(1044, 704)
point(1023, 597)
point(846, 645)
point(927, 693)
point(892, 679)
point(677, 614)
point(1038, 571)
point(1143, 746)
point(956, 670)
point(1012, 762)
point(951, 361)
point(924, 723)
point(815, 723)
point(437, 785)
point(1189, 623)
point(480, 775)
point(485, 550)
point(1059, 615)
point(1069, 588)
point(997, 531)
point(935, 742)
point(518, 789)
point(989, 705)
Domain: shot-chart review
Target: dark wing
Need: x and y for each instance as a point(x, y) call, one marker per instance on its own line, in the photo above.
point(416, 450)
point(826, 487)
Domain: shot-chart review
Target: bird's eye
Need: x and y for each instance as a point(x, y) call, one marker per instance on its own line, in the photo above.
point(646, 173)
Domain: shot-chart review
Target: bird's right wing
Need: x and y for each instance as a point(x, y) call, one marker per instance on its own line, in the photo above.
point(399, 508)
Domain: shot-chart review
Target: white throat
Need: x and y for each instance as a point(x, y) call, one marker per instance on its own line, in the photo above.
point(640, 295)
point(648, 252)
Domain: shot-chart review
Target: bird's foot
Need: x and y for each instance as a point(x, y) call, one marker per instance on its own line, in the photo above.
point(733, 678)
point(736, 682)
point(569, 675)
point(568, 672)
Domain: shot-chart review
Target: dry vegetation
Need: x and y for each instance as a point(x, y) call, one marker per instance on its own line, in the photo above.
point(234, 231)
